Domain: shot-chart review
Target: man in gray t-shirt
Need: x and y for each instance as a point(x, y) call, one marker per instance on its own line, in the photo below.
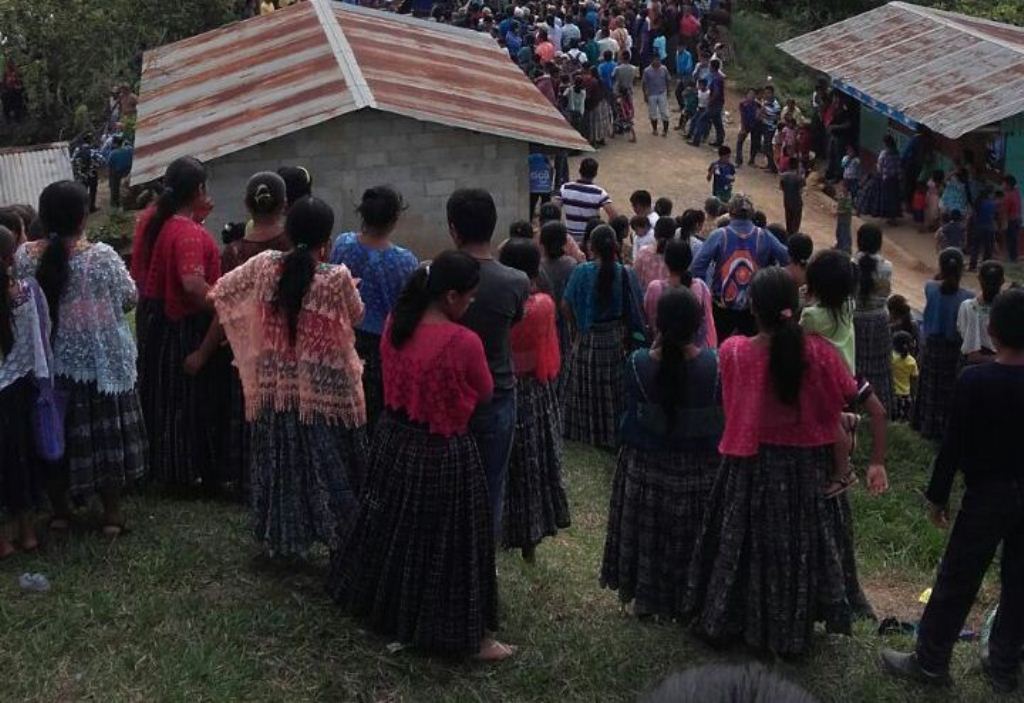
point(655, 84)
point(497, 305)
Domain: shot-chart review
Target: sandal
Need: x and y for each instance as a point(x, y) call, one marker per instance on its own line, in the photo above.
point(837, 488)
point(494, 651)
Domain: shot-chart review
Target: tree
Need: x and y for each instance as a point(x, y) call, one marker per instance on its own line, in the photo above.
point(72, 51)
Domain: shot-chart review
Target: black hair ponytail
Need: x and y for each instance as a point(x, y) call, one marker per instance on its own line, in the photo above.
point(451, 271)
point(182, 182)
point(869, 242)
point(951, 270)
point(679, 317)
point(309, 226)
point(664, 232)
point(678, 257)
point(775, 301)
point(63, 206)
point(602, 243)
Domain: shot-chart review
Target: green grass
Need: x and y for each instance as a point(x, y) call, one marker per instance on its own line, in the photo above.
point(182, 609)
point(754, 38)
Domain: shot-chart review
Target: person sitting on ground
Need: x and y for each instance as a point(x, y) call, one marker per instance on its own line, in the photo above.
point(982, 441)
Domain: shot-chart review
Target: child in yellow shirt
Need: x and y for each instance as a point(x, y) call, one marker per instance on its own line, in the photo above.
point(904, 375)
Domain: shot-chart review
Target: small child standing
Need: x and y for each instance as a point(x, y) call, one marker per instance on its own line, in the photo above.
point(904, 376)
point(972, 317)
point(722, 174)
point(687, 105)
point(643, 233)
point(844, 219)
point(575, 102)
point(932, 198)
point(851, 171)
point(918, 204)
point(952, 233)
point(831, 283)
point(703, 98)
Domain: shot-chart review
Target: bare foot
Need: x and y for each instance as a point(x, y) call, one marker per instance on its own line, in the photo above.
point(491, 650)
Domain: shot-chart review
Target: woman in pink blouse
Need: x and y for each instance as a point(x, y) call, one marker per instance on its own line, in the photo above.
point(418, 565)
point(678, 257)
point(771, 557)
point(289, 318)
point(650, 260)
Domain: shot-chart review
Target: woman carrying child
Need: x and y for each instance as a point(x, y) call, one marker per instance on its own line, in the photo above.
point(768, 561)
point(941, 355)
point(535, 502)
point(289, 318)
point(668, 461)
point(871, 319)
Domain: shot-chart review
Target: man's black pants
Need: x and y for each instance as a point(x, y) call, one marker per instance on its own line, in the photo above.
point(991, 514)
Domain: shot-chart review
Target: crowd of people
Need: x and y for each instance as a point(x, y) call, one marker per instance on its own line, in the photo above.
point(410, 415)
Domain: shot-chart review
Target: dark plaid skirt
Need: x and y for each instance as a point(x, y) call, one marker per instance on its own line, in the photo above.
point(22, 473)
point(657, 507)
point(535, 502)
point(593, 389)
point(418, 565)
point(105, 439)
point(187, 416)
point(939, 362)
point(874, 352)
point(841, 515)
point(237, 445)
point(305, 479)
point(767, 562)
point(599, 122)
point(368, 349)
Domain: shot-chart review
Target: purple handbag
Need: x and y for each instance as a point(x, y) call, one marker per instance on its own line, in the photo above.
point(51, 404)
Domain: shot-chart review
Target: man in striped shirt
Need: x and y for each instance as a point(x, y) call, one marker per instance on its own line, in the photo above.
point(582, 200)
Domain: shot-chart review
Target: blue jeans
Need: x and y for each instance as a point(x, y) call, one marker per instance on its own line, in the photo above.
point(493, 426)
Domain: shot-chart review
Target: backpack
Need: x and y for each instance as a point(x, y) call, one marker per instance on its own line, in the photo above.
point(737, 264)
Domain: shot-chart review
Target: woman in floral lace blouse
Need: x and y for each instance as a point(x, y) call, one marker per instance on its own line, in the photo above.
point(88, 291)
point(290, 320)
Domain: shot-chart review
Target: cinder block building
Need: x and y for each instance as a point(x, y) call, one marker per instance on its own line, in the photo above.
point(360, 98)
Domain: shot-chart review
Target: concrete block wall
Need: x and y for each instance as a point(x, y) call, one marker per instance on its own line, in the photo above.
point(424, 161)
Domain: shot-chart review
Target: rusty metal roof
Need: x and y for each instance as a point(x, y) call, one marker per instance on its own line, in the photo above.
point(949, 72)
point(255, 80)
point(26, 170)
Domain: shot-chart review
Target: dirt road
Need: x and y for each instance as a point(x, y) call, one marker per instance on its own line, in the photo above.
point(669, 167)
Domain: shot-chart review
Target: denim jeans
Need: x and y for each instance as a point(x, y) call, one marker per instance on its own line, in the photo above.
point(493, 426)
point(990, 514)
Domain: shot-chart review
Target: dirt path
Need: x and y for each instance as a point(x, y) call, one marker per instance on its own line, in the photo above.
point(668, 167)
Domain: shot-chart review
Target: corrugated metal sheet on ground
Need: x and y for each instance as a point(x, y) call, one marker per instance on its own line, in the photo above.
point(253, 81)
point(25, 171)
point(949, 72)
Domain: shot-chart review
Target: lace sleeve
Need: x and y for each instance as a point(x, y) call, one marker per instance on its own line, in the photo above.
point(122, 285)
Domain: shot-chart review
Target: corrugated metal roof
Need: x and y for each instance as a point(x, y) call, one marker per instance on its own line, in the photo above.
point(25, 171)
point(949, 72)
point(253, 81)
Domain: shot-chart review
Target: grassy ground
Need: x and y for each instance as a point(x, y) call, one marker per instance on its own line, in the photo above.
point(182, 609)
point(754, 36)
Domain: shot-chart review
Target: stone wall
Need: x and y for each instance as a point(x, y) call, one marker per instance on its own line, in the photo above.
point(423, 160)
